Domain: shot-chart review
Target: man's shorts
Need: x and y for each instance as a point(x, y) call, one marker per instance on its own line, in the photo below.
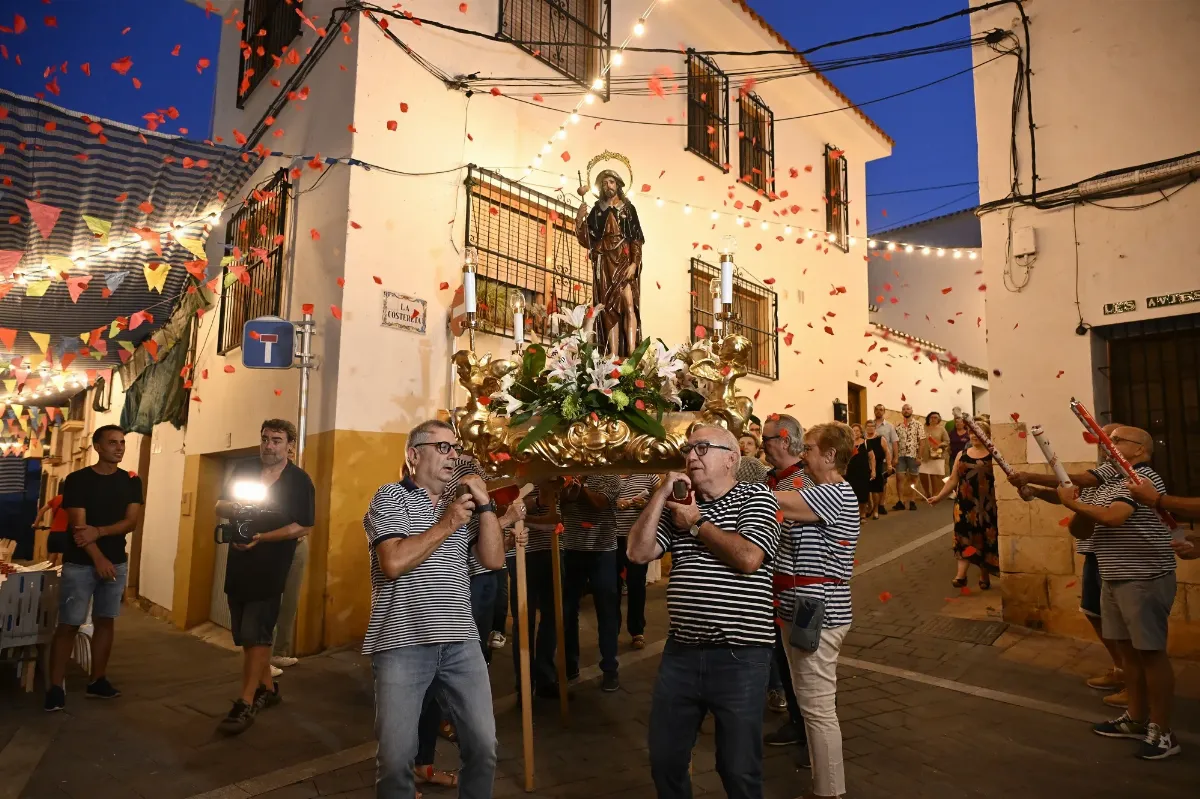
point(81, 585)
point(253, 621)
point(1089, 599)
point(907, 465)
point(1137, 611)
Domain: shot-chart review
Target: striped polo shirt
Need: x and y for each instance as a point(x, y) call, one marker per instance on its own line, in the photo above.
point(710, 603)
point(539, 535)
point(1104, 473)
point(587, 528)
point(432, 603)
point(1139, 549)
point(824, 548)
point(632, 487)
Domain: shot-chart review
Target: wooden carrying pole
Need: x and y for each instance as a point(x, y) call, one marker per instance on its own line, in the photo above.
point(561, 653)
point(523, 648)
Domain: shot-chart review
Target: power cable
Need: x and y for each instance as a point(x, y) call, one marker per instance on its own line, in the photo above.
point(923, 188)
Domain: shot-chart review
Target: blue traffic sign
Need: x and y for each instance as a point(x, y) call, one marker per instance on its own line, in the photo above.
point(268, 342)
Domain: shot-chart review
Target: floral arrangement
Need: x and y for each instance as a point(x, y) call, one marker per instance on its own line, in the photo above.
point(569, 380)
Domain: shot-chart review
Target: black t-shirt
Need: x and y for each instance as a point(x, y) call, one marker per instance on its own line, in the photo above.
point(261, 572)
point(104, 499)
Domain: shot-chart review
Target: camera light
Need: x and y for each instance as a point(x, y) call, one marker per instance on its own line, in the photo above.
point(249, 491)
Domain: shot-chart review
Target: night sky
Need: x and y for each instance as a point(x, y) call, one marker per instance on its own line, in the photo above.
point(934, 128)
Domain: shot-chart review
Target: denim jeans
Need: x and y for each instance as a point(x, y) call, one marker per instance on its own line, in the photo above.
point(599, 569)
point(780, 667)
point(403, 677)
point(729, 682)
point(483, 608)
point(539, 601)
point(635, 582)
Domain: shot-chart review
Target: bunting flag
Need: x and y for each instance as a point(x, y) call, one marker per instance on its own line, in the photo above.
point(156, 276)
point(8, 337)
point(77, 285)
point(59, 264)
point(35, 362)
point(194, 246)
point(44, 216)
point(8, 262)
point(10, 385)
point(42, 340)
point(99, 228)
point(37, 288)
point(115, 279)
point(150, 237)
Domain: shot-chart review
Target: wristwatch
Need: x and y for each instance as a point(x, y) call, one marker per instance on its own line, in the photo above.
point(694, 530)
point(489, 507)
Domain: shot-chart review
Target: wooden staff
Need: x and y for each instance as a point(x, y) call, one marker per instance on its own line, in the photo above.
point(560, 659)
point(522, 621)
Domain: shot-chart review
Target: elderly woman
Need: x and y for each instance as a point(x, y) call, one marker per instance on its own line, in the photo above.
point(812, 573)
point(933, 454)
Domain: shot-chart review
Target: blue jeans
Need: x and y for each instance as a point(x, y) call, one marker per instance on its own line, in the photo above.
point(403, 677)
point(729, 682)
point(81, 585)
point(599, 569)
point(483, 607)
point(635, 582)
point(539, 601)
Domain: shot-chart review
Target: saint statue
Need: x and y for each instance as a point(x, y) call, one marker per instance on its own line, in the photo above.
point(613, 237)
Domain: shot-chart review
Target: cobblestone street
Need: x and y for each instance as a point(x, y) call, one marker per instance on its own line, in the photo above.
point(937, 698)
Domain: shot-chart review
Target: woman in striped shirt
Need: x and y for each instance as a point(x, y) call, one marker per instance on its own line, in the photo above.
point(816, 558)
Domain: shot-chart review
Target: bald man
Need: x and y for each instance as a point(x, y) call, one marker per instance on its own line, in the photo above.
point(1137, 566)
point(1042, 486)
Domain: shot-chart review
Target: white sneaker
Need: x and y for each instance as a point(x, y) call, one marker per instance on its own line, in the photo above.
point(496, 640)
point(276, 671)
point(283, 662)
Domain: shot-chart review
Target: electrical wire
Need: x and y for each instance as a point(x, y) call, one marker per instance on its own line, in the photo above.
point(907, 219)
point(923, 188)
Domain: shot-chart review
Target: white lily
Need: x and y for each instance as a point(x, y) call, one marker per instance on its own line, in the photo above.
point(511, 403)
point(602, 376)
point(574, 318)
point(562, 362)
point(661, 362)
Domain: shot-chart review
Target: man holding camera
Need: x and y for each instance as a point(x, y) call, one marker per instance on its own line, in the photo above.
point(272, 504)
point(420, 531)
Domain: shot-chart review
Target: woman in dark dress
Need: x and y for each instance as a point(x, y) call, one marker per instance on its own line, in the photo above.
point(877, 451)
point(858, 471)
point(960, 439)
point(976, 541)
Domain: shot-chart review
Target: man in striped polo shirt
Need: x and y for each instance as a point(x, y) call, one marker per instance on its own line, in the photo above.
point(717, 659)
point(1137, 566)
point(421, 630)
point(635, 495)
point(589, 543)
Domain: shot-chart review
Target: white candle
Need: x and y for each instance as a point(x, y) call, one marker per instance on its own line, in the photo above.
point(716, 310)
point(518, 328)
point(727, 282)
point(554, 325)
point(469, 290)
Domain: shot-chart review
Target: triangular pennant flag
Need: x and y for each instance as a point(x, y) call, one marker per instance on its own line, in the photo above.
point(136, 318)
point(35, 361)
point(76, 286)
point(156, 276)
point(5, 288)
point(101, 346)
point(99, 228)
point(82, 337)
point(115, 279)
point(8, 261)
point(10, 385)
point(44, 216)
point(151, 347)
point(68, 359)
point(125, 345)
point(151, 238)
point(37, 288)
point(59, 263)
point(194, 246)
point(8, 337)
point(114, 328)
point(42, 340)
point(197, 269)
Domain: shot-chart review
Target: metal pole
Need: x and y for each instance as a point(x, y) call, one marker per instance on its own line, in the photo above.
point(306, 364)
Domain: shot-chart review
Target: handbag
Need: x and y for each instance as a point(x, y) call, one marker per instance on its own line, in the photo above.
point(808, 614)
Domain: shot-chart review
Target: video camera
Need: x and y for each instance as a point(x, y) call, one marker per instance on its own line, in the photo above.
point(248, 496)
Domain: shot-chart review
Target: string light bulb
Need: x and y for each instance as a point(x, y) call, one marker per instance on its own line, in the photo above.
point(891, 246)
point(870, 244)
point(617, 59)
point(598, 84)
point(924, 251)
point(562, 133)
point(832, 237)
point(589, 98)
point(658, 201)
point(714, 215)
point(763, 225)
point(739, 221)
point(546, 147)
point(574, 117)
point(687, 209)
point(787, 230)
point(852, 241)
point(810, 234)
point(908, 248)
point(639, 27)
point(958, 253)
point(972, 256)
point(941, 252)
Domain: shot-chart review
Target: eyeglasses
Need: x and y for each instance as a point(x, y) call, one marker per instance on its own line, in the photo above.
point(701, 448)
point(1119, 440)
point(443, 447)
point(770, 438)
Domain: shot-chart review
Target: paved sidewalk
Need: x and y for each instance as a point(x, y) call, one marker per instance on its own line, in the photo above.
point(924, 713)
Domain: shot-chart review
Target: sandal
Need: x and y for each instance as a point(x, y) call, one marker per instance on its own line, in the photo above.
point(428, 775)
point(447, 731)
point(959, 582)
point(639, 642)
point(985, 582)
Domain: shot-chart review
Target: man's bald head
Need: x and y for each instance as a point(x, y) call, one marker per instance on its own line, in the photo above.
point(1110, 427)
point(1136, 435)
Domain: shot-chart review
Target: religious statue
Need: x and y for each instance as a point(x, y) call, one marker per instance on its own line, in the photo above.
point(613, 237)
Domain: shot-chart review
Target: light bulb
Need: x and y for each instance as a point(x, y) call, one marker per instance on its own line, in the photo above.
point(739, 221)
point(972, 256)
point(924, 251)
point(714, 287)
point(958, 253)
point(658, 201)
point(728, 244)
point(528, 171)
point(516, 301)
point(546, 147)
point(891, 245)
point(687, 209)
point(908, 248)
point(574, 118)
point(852, 241)
point(714, 215)
point(810, 234)
point(617, 59)
point(562, 133)
point(470, 257)
point(787, 230)
point(598, 84)
point(941, 252)
point(870, 244)
point(832, 237)
point(589, 98)
point(639, 28)
point(763, 226)
point(537, 160)
point(562, 180)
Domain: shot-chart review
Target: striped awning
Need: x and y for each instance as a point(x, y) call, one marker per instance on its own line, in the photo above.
point(81, 166)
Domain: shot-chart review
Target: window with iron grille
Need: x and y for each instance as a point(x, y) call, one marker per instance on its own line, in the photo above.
point(271, 25)
point(837, 196)
point(756, 315)
point(573, 36)
point(526, 242)
point(756, 144)
point(252, 283)
point(708, 111)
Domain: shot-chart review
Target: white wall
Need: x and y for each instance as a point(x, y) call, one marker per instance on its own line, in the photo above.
point(160, 525)
point(1110, 83)
point(413, 227)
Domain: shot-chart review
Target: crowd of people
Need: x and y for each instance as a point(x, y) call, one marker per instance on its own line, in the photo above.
point(761, 531)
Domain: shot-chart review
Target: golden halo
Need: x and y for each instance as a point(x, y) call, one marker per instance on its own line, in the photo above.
point(606, 159)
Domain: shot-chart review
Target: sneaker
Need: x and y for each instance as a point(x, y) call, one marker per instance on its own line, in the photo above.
point(776, 701)
point(1121, 727)
point(882, 511)
point(786, 735)
point(102, 689)
point(912, 505)
point(1111, 680)
point(1119, 699)
point(639, 642)
point(281, 662)
point(610, 682)
point(276, 671)
point(56, 699)
point(1158, 745)
point(264, 699)
point(240, 717)
point(898, 506)
point(573, 679)
point(496, 640)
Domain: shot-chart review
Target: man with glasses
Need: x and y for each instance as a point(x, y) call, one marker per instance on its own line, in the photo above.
point(421, 630)
point(722, 541)
point(887, 431)
point(1137, 566)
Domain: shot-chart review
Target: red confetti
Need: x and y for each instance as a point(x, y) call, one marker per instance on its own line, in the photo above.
point(278, 392)
point(1060, 373)
point(700, 331)
point(306, 308)
point(122, 65)
point(462, 8)
point(378, 280)
point(229, 370)
point(566, 156)
point(829, 330)
point(1016, 417)
point(146, 207)
point(336, 311)
point(355, 225)
point(969, 552)
point(948, 289)
point(885, 596)
point(1064, 521)
point(391, 124)
point(443, 286)
point(495, 92)
point(964, 591)
point(403, 108)
point(175, 50)
point(1071, 584)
